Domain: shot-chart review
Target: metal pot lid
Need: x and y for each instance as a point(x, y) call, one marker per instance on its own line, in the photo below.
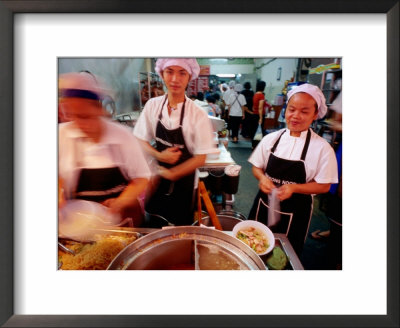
point(214, 239)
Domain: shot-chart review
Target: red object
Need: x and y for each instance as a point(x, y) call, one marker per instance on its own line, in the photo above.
point(197, 85)
point(204, 70)
point(256, 102)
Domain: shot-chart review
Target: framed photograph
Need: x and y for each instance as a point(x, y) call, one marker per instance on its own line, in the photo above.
point(34, 34)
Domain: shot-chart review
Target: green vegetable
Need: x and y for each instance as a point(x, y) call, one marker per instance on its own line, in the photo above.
point(277, 260)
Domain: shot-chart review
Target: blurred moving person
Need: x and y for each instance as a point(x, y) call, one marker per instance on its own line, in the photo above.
point(99, 160)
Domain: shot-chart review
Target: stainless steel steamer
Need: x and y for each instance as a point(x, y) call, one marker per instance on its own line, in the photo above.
point(177, 247)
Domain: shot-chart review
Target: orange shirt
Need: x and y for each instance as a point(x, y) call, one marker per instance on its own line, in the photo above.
point(256, 102)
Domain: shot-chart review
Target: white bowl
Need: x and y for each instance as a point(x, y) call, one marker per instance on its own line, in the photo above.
point(260, 227)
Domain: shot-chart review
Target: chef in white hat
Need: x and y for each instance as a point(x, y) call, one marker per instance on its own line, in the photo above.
point(236, 108)
point(183, 136)
point(296, 163)
point(99, 160)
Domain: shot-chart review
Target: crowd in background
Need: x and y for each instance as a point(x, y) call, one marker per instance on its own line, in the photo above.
point(241, 107)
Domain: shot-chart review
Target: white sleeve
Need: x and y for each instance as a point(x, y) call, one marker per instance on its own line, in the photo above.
point(259, 157)
point(135, 160)
point(203, 137)
point(144, 127)
point(242, 100)
point(231, 99)
point(327, 169)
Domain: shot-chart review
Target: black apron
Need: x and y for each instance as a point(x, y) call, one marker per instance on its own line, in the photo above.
point(172, 200)
point(99, 184)
point(295, 212)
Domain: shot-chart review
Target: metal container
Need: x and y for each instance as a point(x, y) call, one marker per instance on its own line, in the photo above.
point(233, 214)
point(187, 247)
point(227, 221)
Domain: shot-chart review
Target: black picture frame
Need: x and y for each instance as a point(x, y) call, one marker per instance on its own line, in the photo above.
point(7, 11)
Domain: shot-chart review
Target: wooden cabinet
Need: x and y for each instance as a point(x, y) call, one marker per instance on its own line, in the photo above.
point(272, 123)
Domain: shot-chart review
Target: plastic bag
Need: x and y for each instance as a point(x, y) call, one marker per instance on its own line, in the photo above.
point(274, 208)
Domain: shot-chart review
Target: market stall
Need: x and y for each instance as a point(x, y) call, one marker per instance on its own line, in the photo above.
point(172, 248)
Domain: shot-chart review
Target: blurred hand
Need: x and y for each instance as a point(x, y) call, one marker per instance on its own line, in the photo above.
point(166, 174)
point(266, 185)
point(170, 155)
point(285, 192)
point(116, 205)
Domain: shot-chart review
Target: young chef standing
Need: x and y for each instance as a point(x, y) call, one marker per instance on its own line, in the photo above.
point(294, 163)
point(183, 137)
point(99, 160)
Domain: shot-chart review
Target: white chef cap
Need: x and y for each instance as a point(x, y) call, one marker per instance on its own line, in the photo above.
point(232, 84)
point(83, 85)
point(238, 87)
point(314, 92)
point(189, 64)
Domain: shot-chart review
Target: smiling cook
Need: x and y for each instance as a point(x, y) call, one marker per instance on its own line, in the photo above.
point(298, 163)
point(182, 136)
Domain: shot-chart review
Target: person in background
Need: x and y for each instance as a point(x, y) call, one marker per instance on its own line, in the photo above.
point(220, 104)
point(224, 89)
point(258, 114)
point(183, 136)
point(199, 101)
point(293, 164)
point(214, 109)
point(236, 104)
point(248, 94)
point(225, 98)
point(208, 91)
point(99, 160)
point(227, 94)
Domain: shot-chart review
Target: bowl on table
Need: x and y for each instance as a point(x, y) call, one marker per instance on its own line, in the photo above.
point(256, 235)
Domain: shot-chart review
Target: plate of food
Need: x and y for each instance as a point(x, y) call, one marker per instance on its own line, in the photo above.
point(256, 235)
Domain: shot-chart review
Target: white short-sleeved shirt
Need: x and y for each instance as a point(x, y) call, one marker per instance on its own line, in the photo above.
point(196, 126)
point(236, 105)
point(117, 147)
point(320, 161)
point(227, 94)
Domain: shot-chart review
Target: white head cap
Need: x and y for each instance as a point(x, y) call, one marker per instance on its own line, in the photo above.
point(232, 84)
point(83, 85)
point(189, 64)
point(314, 92)
point(238, 88)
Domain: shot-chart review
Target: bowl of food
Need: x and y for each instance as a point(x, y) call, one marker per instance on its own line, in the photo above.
point(256, 235)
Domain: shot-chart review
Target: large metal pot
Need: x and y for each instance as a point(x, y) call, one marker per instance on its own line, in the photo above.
point(234, 214)
point(228, 220)
point(187, 247)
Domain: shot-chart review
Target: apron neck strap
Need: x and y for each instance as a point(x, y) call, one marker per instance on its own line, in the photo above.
point(276, 142)
point(182, 112)
point(162, 106)
point(306, 144)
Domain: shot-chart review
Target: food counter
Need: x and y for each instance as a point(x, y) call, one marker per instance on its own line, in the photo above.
point(220, 159)
point(171, 248)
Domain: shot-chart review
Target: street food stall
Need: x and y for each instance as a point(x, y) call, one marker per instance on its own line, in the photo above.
point(101, 244)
